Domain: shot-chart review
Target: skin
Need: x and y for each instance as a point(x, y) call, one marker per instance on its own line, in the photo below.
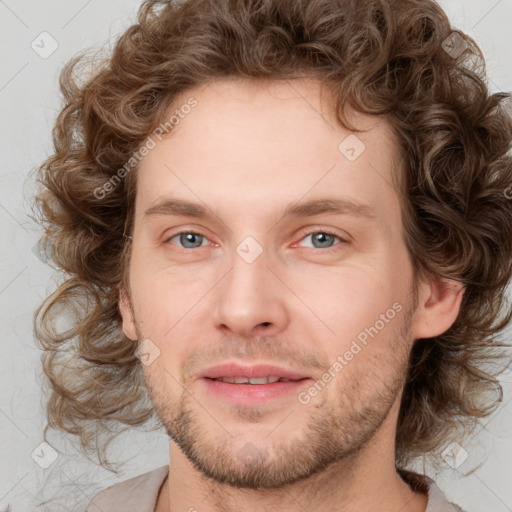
point(246, 151)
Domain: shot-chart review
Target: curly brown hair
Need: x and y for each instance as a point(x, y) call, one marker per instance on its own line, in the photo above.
point(400, 59)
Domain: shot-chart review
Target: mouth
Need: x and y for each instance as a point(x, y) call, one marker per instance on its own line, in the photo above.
point(252, 385)
point(261, 373)
point(255, 380)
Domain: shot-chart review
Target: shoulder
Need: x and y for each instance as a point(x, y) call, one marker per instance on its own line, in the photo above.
point(437, 501)
point(136, 494)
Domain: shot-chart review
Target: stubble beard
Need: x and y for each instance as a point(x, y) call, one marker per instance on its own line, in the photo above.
point(334, 434)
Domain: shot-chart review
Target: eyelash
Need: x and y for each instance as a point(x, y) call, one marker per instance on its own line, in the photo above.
point(323, 231)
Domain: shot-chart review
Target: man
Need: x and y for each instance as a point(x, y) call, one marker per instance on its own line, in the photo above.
point(292, 220)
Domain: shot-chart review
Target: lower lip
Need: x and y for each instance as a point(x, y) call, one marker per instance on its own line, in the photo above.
point(253, 394)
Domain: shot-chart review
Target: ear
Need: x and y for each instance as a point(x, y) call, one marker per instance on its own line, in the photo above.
point(126, 313)
point(439, 302)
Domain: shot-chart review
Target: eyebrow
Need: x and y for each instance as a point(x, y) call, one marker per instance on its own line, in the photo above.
point(302, 209)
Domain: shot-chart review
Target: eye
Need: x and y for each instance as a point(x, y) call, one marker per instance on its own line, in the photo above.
point(188, 239)
point(323, 239)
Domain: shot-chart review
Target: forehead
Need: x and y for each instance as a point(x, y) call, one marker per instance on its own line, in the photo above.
point(251, 145)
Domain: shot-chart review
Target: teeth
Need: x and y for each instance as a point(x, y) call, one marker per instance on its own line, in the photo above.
point(254, 380)
point(263, 380)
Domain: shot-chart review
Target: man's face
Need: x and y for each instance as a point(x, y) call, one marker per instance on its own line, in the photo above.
point(318, 294)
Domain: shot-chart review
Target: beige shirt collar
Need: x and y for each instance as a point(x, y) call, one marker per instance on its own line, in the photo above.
point(139, 494)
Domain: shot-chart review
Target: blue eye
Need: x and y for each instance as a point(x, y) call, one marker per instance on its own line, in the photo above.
point(189, 237)
point(193, 240)
point(323, 238)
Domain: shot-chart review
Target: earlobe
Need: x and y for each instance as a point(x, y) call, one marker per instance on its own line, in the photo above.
point(127, 315)
point(439, 302)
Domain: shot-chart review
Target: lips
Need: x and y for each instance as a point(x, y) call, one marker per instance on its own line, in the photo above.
point(254, 380)
point(251, 385)
point(253, 374)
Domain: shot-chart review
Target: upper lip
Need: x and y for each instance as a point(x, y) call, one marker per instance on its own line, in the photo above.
point(250, 371)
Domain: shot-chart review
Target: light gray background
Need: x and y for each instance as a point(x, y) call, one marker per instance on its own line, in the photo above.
point(30, 102)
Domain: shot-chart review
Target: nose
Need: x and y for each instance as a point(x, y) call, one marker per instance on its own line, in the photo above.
point(251, 299)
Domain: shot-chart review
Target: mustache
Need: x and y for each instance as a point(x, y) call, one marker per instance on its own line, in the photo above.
point(261, 348)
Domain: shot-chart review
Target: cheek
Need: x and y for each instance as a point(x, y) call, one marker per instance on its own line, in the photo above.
point(165, 297)
point(347, 303)
point(333, 303)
